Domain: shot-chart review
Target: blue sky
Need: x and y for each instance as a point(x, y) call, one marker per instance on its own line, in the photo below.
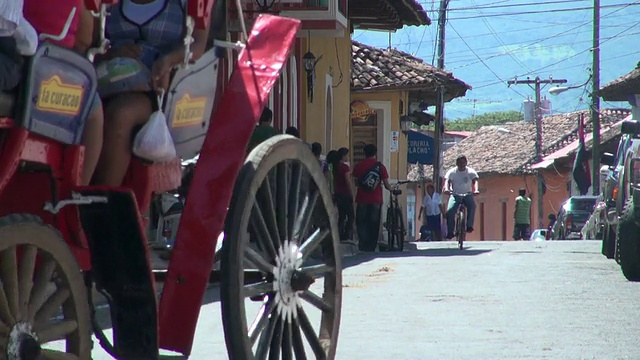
point(485, 48)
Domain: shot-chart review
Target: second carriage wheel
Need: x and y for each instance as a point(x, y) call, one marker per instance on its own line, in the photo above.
point(44, 313)
point(281, 289)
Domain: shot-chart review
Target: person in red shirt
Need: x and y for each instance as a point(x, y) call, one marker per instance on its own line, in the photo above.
point(370, 175)
point(343, 194)
point(49, 17)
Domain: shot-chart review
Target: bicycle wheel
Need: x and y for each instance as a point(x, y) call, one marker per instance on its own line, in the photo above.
point(390, 229)
point(399, 229)
point(461, 229)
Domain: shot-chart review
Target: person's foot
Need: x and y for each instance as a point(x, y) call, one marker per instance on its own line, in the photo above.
point(449, 236)
point(469, 229)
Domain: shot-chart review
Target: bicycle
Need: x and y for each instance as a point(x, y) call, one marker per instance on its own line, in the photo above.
point(395, 223)
point(460, 227)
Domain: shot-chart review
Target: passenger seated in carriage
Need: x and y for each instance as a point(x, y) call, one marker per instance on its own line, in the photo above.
point(49, 17)
point(152, 33)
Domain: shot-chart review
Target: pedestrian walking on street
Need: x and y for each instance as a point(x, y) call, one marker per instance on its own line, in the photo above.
point(522, 216)
point(316, 150)
point(343, 194)
point(263, 130)
point(431, 212)
point(370, 176)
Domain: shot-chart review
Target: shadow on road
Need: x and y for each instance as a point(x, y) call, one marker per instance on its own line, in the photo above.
point(439, 252)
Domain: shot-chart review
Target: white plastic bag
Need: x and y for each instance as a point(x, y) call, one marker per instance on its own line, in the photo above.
point(26, 38)
point(153, 142)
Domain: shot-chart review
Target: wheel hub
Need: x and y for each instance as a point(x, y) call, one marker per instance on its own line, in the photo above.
point(23, 343)
point(289, 281)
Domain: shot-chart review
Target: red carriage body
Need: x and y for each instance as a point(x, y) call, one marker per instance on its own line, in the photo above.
point(104, 227)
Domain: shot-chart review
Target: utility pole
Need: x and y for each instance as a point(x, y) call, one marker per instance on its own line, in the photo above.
point(439, 125)
point(537, 82)
point(595, 101)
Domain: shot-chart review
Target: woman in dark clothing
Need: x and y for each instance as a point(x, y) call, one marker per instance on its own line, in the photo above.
point(343, 194)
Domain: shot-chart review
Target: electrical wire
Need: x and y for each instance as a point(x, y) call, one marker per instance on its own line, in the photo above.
point(541, 11)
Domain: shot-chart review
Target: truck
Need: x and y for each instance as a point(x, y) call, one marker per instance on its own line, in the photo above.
point(625, 212)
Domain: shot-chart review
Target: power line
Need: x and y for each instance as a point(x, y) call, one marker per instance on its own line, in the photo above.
point(483, 63)
point(481, 7)
point(541, 11)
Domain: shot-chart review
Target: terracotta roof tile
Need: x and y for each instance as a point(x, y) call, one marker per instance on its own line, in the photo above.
point(490, 151)
point(373, 68)
point(618, 89)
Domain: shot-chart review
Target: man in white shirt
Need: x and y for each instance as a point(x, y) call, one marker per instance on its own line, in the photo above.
point(432, 208)
point(462, 183)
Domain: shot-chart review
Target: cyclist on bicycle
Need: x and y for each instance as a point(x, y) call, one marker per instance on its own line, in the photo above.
point(460, 180)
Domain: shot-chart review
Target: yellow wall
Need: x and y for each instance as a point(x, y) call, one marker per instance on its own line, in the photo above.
point(332, 62)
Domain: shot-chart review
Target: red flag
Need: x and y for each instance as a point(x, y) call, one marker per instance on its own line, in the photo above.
point(581, 169)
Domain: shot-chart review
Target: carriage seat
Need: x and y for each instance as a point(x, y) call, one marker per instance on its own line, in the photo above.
point(7, 103)
point(58, 90)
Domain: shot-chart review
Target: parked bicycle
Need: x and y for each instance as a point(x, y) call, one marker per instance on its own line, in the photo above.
point(460, 228)
point(395, 222)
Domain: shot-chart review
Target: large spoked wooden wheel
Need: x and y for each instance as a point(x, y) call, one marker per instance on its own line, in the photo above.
point(281, 289)
point(42, 294)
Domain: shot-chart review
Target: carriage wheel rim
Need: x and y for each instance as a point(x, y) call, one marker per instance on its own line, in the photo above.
point(39, 301)
point(282, 324)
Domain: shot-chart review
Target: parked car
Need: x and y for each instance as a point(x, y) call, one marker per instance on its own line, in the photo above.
point(594, 227)
point(610, 188)
point(572, 216)
point(539, 235)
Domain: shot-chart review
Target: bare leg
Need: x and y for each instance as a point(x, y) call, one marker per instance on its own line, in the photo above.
point(122, 115)
point(92, 141)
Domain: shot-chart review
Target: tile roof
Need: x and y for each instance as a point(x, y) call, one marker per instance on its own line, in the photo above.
point(389, 69)
point(490, 151)
point(387, 14)
point(618, 89)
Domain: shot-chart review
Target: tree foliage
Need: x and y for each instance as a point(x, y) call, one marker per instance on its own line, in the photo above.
point(475, 122)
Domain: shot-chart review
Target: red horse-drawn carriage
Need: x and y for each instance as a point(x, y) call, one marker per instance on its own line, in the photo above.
point(60, 242)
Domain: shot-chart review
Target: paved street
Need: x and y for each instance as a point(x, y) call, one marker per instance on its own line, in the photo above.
point(493, 300)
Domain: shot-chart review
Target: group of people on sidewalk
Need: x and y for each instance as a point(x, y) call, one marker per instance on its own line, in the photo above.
point(368, 176)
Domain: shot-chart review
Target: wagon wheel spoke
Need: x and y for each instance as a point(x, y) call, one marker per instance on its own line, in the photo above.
point(287, 342)
point(258, 260)
point(313, 242)
point(298, 343)
point(282, 200)
point(52, 306)
point(27, 268)
point(256, 289)
point(310, 334)
point(316, 301)
point(319, 270)
point(266, 336)
point(261, 320)
point(303, 221)
point(265, 200)
point(294, 200)
point(7, 317)
point(57, 331)
point(48, 354)
point(261, 232)
point(41, 285)
point(9, 268)
point(276, 341)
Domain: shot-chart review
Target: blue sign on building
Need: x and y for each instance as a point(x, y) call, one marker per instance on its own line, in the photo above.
point(420, 149)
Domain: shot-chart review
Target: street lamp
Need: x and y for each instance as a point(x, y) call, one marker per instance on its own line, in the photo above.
point(405, 124)
point(560, 89)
